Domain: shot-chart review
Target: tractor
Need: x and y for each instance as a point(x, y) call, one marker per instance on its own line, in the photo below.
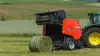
point(91, 33)
point(59, 32)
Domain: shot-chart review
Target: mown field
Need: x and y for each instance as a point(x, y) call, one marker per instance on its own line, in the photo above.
point(18, 46)
point(19, 26)
point(25, 9)
point(26, 26)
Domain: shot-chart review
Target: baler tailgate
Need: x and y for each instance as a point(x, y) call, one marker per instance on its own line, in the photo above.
point(53, 17)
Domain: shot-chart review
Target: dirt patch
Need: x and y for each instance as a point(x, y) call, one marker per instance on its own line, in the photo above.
point(4, 11)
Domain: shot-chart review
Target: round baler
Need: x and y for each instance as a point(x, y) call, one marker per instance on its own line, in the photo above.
point(59, 31)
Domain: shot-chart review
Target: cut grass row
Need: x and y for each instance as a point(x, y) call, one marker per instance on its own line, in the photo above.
point(18, 46)
point(19, 35)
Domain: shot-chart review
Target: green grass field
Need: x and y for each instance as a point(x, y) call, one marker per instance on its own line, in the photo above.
point(18, 46)
point(19, 26)
point(25, 9)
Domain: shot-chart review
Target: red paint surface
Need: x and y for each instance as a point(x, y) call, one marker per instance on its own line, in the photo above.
point(71, 27)
point(44, 29)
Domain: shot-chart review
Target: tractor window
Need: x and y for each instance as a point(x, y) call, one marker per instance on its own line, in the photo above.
point(97, 19)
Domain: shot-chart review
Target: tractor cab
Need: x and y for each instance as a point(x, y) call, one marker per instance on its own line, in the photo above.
point(94, 18)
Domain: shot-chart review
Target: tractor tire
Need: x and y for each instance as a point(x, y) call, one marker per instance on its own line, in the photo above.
point(91, 37)
point(40, 44)
point(69, 44)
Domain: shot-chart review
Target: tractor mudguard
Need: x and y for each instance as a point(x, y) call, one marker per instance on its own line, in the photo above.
point(92, 25)
point(72, 28)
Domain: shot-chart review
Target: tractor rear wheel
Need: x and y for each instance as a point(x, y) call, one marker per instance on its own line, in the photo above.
point(91, 37)
point(69, 44)
point(40, 44)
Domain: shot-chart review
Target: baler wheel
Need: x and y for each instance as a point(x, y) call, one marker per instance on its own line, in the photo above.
point(40, 44)
point(91, 37)
point(69, 44)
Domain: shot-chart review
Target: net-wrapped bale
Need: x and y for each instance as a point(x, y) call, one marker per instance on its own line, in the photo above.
point(40, 44)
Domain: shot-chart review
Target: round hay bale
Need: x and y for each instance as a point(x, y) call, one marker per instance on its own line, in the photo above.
point(40, 44)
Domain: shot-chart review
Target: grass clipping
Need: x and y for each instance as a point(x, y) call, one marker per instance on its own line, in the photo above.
point(40, 44)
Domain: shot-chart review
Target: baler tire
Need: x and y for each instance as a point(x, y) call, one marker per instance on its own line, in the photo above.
point(66, 44)
point(78, 44)
point(40, 44)
point(87, 35)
